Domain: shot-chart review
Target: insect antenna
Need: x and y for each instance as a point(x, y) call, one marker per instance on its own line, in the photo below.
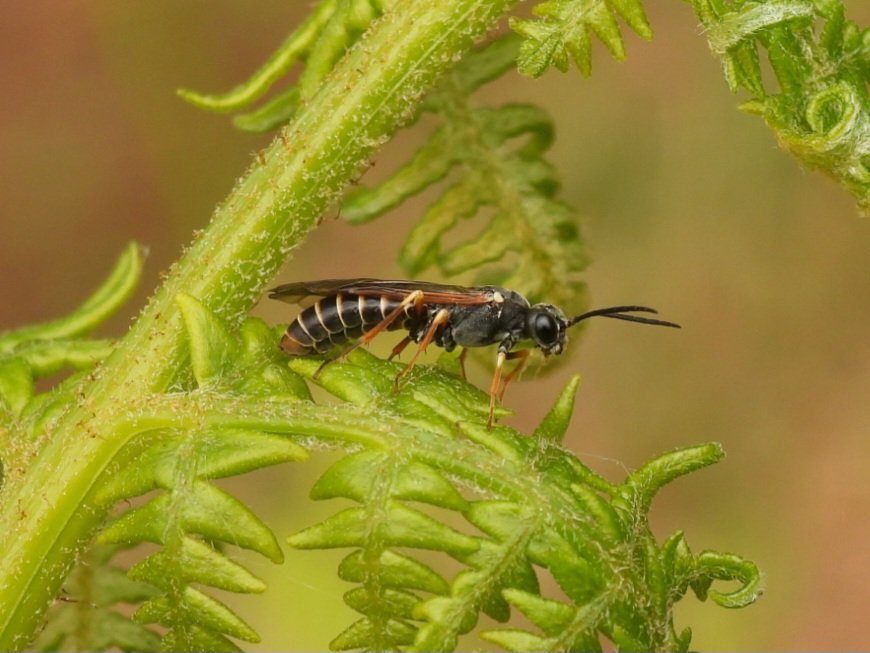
point(620, 313)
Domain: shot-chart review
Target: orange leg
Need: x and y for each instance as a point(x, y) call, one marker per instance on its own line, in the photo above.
point(462, 357)
point(441, 317)
point(523, 354)
point(493, 387)
point(398, 349)
point(415, 298)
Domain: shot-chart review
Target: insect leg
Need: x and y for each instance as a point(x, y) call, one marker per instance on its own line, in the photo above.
point(493, 387)
point(462, 355)
point(441, 317)
point(523, 356)
point(504, 353)
point(398, 349)
point(415, 298)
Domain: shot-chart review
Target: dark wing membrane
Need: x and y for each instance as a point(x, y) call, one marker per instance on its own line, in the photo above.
point(296, 293)
point(433, 293)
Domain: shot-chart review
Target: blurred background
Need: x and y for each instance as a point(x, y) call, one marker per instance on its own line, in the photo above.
point(688, 206)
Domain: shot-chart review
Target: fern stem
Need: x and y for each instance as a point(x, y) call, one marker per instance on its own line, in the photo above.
point(45, 515)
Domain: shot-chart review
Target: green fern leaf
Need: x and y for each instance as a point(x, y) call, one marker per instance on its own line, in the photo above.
point(396, 570)
point(41, 350)
point(520, 640)
point(188, 515)
point(196, 608)
point(218, 454)
point(362, 633)
point(567, 628)
point(592, 537)
point(192, 638)
point(354, 477)
point(493, 161)
point(402, 604)
point(331, 29)
point(87, 620)
point(554, 426)
point(561, 33)
point(197, 562)
point(498, 566)
point(16, 386)
point(500, 563)
point(213, 350)
point(402, 526)
point(821, 110)
point(206, 510)
point(533, 506)
point(550, 616)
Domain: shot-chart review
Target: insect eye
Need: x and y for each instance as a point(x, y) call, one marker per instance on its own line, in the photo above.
point(546, 329)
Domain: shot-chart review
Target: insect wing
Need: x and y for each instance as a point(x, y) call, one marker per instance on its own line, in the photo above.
point(433, 293)
point(305, 293)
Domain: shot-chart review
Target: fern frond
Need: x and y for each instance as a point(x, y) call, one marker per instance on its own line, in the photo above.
point(540, 508)
point(492, 160)
point(38, 351)
point(186, 519)
point(102, 303)
point(519, 506)
point(821, 61)
point(562, 32)
point(33, 352)
point(85, 618)
point(189, 515)
point(330, 30)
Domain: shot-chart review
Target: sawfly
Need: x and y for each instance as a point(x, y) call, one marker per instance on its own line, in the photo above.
point(338, 311)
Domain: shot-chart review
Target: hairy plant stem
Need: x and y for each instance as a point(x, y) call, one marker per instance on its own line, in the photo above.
point(45, 515)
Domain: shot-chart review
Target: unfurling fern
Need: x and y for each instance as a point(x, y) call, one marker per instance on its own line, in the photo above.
point(820, 59)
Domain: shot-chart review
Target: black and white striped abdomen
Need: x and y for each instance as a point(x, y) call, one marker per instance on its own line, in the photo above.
point(339, 318)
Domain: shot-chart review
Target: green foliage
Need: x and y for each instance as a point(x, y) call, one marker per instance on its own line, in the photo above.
point(196, 393)
point(530, 507)
point(492, 162)
point(189, 515)
point(821, 63)
point(38, 351)
point(563, 28)
point(520, 507)
point(321, 40)
point(67, 443)
point(819, 59)
point(85, 618)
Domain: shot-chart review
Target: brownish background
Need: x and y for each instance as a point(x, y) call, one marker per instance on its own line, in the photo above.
point(688, 206)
